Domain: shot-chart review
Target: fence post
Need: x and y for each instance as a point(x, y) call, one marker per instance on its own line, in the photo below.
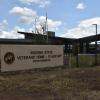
point(69, 61)
point(77, 58)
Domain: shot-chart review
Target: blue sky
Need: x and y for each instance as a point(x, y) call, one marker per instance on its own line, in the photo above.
point(68, 18)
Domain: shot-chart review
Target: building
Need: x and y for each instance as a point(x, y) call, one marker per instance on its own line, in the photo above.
point(81, 45)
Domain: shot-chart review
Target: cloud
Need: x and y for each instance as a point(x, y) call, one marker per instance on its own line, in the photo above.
point(83, 29)
point(26, 20)
point(26, 1)
point(89, 22)
point(23, 11)
point(41, 3)
point(12, 34)
point(26, 14)
point(52, 24)
point(3, 25)
point(81, 6)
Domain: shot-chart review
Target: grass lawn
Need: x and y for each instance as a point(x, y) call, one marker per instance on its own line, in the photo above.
point(52, 84)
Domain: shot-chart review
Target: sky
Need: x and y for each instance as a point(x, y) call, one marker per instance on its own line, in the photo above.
point(67, 18)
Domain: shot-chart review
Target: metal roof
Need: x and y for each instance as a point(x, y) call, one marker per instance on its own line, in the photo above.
point(54, 40)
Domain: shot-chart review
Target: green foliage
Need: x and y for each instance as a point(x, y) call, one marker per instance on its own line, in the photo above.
point(86, 60)
point(83, 60)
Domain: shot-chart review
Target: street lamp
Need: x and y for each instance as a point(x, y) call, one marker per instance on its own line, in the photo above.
point(95, 44)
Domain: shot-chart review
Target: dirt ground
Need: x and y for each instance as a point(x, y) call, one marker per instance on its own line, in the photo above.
point(51, 84)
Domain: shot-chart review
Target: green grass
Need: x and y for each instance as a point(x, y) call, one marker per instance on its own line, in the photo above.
point(84, 61)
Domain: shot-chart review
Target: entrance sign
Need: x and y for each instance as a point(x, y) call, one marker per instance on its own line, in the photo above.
point(22, 57)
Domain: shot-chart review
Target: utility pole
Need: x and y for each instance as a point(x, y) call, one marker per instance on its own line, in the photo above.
point(95, 45)
point(46, 25)
point(35, 25)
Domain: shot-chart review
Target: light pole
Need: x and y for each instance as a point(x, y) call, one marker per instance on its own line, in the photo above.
point(96, 45)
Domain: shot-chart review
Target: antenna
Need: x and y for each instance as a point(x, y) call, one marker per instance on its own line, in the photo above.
point(35, 25)
point(46, 22)
point(46, 25)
